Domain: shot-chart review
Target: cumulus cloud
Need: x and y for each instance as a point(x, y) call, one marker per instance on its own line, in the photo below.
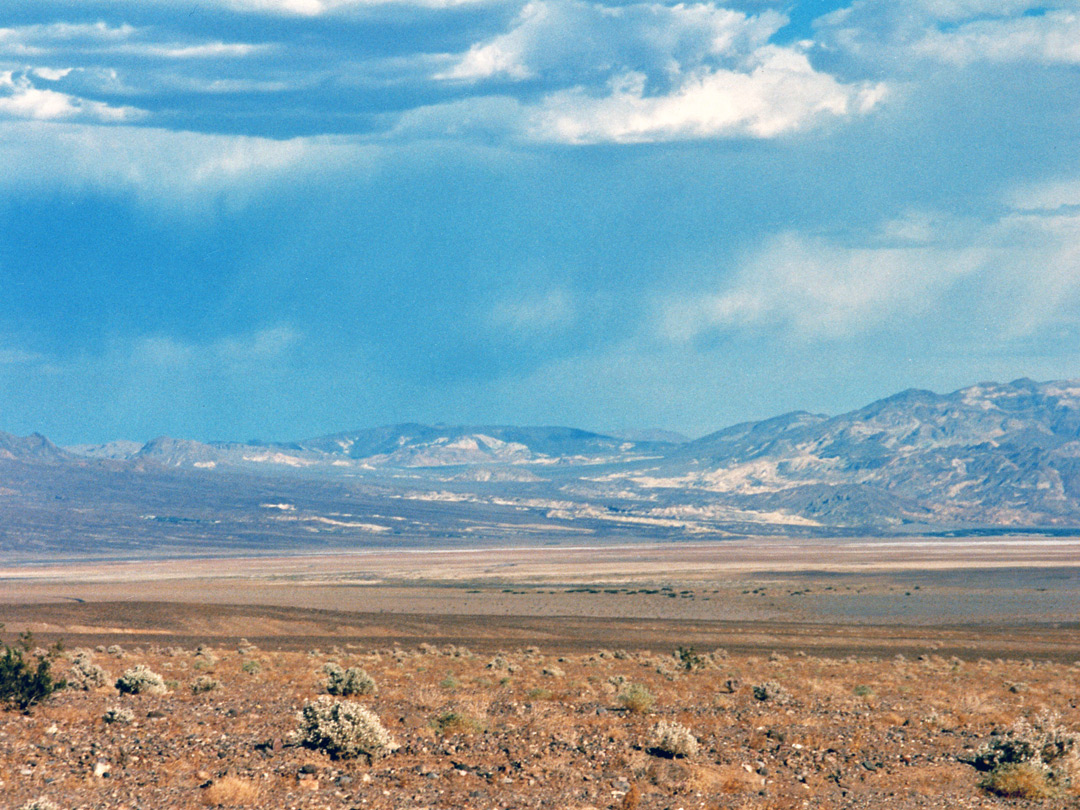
point(646, 72)
point(783, 93)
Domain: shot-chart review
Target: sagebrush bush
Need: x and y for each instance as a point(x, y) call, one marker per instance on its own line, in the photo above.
point(771, 690)
point(351, 681)
point(118, 715)
point(673, 740)
point(343, 728)
point(140, 680)
point(204, 683)
point(85, 674)
point(636, 699)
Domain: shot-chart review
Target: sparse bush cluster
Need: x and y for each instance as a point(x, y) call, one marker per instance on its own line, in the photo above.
point(141, 680)
point(346, 682)
point(343, 728)
point(1032, 760)
point(84, 674)
point(673, 740)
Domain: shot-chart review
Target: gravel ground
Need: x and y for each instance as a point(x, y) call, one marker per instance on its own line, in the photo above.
point(531, 728)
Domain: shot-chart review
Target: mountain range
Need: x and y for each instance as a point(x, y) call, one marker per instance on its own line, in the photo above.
point(990, 457)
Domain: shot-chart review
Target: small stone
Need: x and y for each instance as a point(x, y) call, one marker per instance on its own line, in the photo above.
point(101, 769)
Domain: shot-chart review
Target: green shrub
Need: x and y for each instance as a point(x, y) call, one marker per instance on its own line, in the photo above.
point(24, 682)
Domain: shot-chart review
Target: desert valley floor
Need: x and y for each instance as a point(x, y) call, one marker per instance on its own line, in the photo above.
point(846, 673)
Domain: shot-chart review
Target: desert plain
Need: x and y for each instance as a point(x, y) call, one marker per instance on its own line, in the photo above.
point(853, 672)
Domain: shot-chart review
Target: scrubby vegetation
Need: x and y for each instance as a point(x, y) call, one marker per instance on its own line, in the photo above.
point(347, 682)
point(141, 680)
point(933, 732)
point(343, 728)
point(26, 677)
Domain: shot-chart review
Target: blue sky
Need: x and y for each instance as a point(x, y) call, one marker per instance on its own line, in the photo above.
point(228, 219)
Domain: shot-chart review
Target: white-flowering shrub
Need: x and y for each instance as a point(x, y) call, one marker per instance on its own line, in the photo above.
point(351, 681)
point(85, 674)
point(673, 740)
point(141, 680)
point(118, 715)
point(343, 728)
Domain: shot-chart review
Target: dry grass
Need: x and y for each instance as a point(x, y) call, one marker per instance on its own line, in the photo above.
point(578, 747)
point(231, 791)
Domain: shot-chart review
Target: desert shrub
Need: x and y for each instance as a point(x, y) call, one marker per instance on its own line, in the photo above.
point(455, 721)
point(539, 693)
point(501, 664)
point(351, 681)
point(85, 674)
point(118, 715)
point(251, 666)
point(343, 728)
point(40, 803)
point(450, 683)
point(245, 647)
point(862, 690)
point(1033, 759)
point(637, 699)
point(672, 740)
point(204, 683)
point(204, 658)
point(688, 659)
point(1019, 780)
point(115, 650)
point(25, 682)
point(553, 672)
point(140, 680)
point(771, 690)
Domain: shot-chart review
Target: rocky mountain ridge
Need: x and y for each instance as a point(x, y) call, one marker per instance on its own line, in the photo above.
point(990, 457)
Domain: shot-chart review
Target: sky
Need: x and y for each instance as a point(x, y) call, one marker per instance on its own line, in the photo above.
point(278, 219)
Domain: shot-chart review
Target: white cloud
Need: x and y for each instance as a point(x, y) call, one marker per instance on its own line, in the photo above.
point(1051, 38)
point(782, 94)
point(171, 170)
point(954, 32)
point(20, 99)
point(646, 72)
point(1019, 275)
point(817, 289)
